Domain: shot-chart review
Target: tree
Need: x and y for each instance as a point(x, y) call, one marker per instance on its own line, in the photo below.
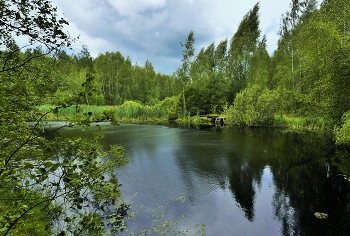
point(109, 66)
point(208, 80)
point(64, 177)
point(182, 72)
point(242, 46)
point(291, 23)
point(260, 66)
point(327, 61)
point(85, 59)
point(36, 20)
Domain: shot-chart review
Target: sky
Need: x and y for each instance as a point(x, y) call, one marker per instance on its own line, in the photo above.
point(153, 29)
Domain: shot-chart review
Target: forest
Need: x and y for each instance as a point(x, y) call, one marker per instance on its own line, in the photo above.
point(305, 83)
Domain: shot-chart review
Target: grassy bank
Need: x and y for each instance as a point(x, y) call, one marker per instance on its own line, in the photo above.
point(297, 123)
point(132, 112)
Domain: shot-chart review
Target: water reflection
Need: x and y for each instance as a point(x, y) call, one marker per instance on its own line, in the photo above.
point(238, 182)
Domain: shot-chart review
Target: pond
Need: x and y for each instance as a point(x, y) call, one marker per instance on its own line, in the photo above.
point(235, 182)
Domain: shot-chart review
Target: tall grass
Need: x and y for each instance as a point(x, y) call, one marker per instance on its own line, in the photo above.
point(310, 123)
point(284, 121)
point(133, 112)
point(130, 112)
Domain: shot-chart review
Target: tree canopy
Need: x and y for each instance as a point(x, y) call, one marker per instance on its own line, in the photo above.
point(44, 179)
point(307, 76)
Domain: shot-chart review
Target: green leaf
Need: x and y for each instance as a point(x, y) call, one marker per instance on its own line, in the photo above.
point(48, 164)
point(55, 166)
point(113, 181)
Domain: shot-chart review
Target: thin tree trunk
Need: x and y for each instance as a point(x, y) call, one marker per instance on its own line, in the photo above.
point(183, 100)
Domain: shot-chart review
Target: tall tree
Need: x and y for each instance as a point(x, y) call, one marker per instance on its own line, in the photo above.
point(183, 72)
point(85, 59)
point(36, 20)
point(242, 46)
point(109, 67)
point(327, 55)
point(291, 22)
point(260, 66)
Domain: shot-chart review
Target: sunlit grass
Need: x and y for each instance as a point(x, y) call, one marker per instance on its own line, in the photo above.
point(128, 113)
point(310, 123)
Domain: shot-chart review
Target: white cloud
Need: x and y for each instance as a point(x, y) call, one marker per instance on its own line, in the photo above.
point(153, 29)
point(131, 8)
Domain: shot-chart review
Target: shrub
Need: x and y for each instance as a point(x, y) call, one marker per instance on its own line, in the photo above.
point(254, 106)
point(342, 133)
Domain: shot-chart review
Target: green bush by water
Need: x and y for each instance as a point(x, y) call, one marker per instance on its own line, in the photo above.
point(342, 133)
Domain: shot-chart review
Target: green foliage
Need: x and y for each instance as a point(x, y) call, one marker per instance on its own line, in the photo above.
point(130, 111)
point(183, 72)
point(131, 104)
point(254, 106)
point(70, 181)
point(302, 123)
point(207, 92)
point(122, 81)
point(170, 103)
point(82, 86)
point(36, 20)
point(342, 133)
point(35, 222)
point(172, 106)
point(242, 46)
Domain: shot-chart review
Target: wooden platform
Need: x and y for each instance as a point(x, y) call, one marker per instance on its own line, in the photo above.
point(215, 120)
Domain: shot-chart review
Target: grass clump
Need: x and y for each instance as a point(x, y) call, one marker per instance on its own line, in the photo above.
point(128, 112)
point(309, 123)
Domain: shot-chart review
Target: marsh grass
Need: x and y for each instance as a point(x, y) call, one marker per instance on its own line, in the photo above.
point(309, 123)
point(291, 122)
point(131, 112)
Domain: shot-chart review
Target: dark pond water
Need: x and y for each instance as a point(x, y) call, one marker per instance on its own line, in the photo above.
point(236, 182)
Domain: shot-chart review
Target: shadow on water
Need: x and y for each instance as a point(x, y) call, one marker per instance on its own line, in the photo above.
point(242, 181)
point(306, 181)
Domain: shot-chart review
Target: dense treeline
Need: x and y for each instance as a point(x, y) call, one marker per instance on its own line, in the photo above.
point(115, 79)
point(306, 76)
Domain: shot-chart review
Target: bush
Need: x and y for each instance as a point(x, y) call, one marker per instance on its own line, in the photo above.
point(131, 104)
point(170, 105)
point(342, 134)
point(254, 106)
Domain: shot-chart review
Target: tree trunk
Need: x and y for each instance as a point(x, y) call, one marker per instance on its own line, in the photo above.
point(183, 100)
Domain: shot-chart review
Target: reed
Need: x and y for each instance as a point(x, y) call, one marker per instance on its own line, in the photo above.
point(310, 123)
point(134, 112)
point(129, 112)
